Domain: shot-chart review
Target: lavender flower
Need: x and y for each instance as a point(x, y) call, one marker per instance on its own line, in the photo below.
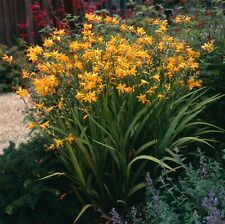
point(115, 218)
point(149, 182)
point(210, 203)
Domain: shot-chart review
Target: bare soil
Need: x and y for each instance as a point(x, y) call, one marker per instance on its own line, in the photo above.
point(12, 127)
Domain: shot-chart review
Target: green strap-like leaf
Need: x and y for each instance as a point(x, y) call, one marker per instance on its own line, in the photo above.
point(82, 211)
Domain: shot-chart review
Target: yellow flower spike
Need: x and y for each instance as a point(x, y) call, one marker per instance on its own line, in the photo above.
point(140, 31)
point(143, 82)
point(58, 142)
point(160, 96)
point(142, 98)
point(60, 104)
point(48, 110)
point(121, 88)
point(87, 26)
point(7, 58)
point(56, 38)
point(208, 47)
point(90, 97)
point(123, 27)
point(90, 16)
point(47, 55)
point(33, 52)
point(60, 32)
point(187, 19)
point(22, 92)
point(80, 96)
point(178, 19)
point(52, 147)
point(32, 125)
point(155, 22)
point(156, 77)
point(74, 46)
point(48, 43)
point(192, 83)
point(39, 106)
point(129, 90)
point(25, 74)
point(70, 137)
point(98, 19)
point(44, 125)
point(131, 29)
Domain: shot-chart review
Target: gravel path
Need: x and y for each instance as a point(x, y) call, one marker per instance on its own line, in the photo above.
point(12, 127)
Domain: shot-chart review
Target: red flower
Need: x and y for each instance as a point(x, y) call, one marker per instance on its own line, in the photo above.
point(42, 23)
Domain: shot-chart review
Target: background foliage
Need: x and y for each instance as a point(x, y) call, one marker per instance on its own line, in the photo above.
point(23, 198)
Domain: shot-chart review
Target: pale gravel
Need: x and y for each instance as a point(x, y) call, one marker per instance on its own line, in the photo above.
point(12, 127)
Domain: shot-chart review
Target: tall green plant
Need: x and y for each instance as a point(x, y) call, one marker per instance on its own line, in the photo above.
point(115, 105)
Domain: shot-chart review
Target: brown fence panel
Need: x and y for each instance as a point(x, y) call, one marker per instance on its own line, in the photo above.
point(14, 12)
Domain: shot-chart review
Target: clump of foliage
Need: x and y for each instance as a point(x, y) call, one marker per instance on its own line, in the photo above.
point(206, 23)
point(197, 197)
point(114, 100)
point(25, 199)
point(10, 73)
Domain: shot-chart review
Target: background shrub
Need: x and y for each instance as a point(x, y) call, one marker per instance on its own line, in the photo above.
point(197, 197)
point(23, 198)
point(10, 73)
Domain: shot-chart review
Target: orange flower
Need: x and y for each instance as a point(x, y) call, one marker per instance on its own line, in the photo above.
point(22, 92)
point(8, 59)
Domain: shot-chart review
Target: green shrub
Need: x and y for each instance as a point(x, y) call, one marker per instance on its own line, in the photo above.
point(23, 198)
point(197, 197)
point(114, 101)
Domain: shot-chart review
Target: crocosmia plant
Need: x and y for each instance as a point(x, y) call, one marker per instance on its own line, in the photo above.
point(116, 100)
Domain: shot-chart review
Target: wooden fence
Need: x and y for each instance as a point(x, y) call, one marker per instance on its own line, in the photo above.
point(14, 12)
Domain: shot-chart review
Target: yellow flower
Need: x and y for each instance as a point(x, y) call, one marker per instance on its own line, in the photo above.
point(44, 125)
point(69, 138)
point(32, 125)
point(90, 97)
point(143, 82)
point(121, 88)
point(48, 43)
point(46, 85)
point(141, 98)
point(58, 142)
point(25, 74)
point(160, 96)
point(51, 147)
point(187, 19)
point(156, 77)
point(22, 92)
point(208, 47)
point(90, 16)
point(60, 32)
point(192, 83)
point(48, 110)
point(39, 106)
point(7, 58)
point(33, 52)
point(178, 19)
point(140, 31)
point(60, 104)
point(87, 26)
